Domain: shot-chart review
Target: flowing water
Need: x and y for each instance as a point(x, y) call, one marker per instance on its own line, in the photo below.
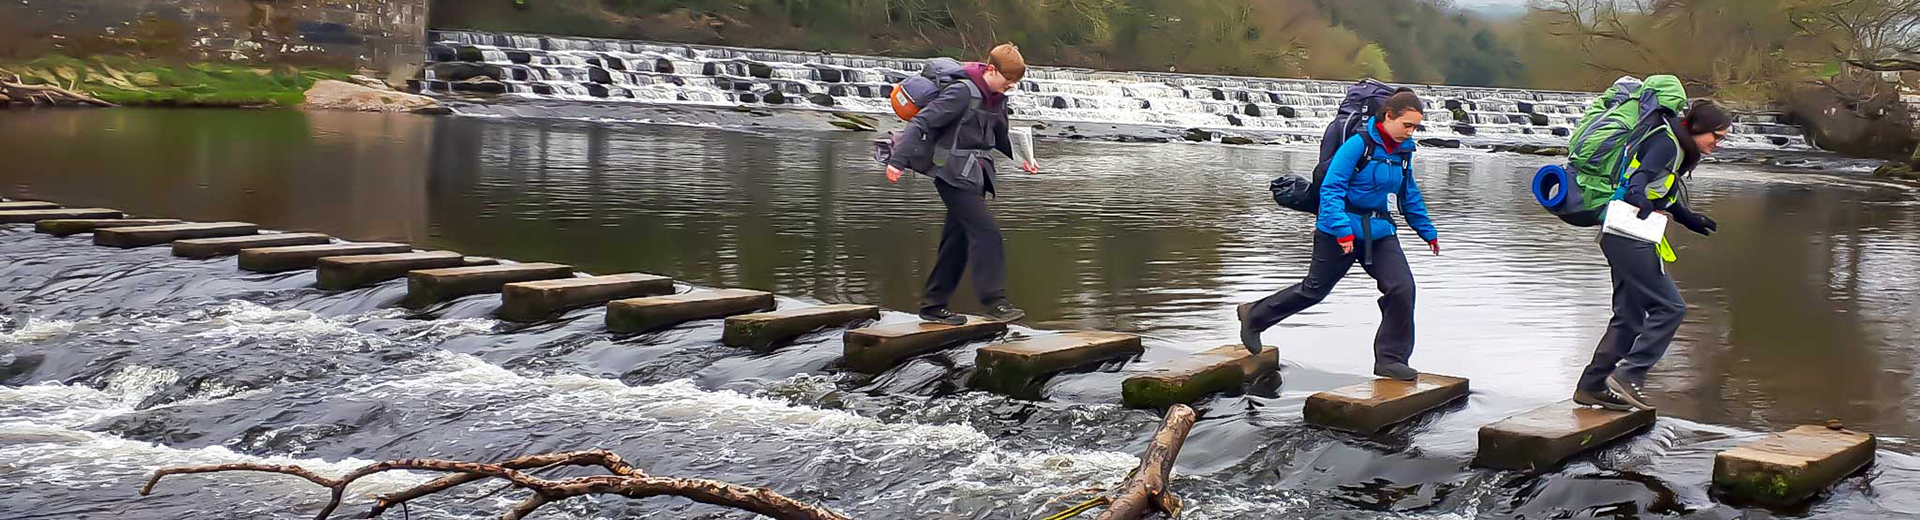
point(117, 362)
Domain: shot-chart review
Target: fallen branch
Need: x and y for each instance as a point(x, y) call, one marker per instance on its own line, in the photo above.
point(1146, 491)
point(12, 88)
point(626, 481)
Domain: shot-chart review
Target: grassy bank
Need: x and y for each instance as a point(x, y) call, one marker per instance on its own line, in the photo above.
point(131, 81)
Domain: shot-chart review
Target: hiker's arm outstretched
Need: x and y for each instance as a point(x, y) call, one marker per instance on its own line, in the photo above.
point(1333, 189)
point(916, 143)
point(1001, 140)
point(1415, 208)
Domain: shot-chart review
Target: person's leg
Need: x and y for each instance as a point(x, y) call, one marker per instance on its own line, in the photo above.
point(1627, 322)
point(1393, 343)
point(951, 259)
point(1664, 307)
point(1329, 265)
point(986, 251)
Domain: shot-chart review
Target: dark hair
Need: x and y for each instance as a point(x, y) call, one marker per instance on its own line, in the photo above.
point(1402, 101)
point(1706, 117)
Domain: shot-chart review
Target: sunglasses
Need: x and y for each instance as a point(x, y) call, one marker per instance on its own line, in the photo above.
point(1720, 136)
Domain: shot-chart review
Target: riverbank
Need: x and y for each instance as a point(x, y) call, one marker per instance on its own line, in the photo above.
point(129, 81)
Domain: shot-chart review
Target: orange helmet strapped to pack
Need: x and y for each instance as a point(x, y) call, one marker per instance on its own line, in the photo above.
point(916, 92)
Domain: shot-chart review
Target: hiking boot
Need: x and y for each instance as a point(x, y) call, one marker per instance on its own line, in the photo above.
point(1005, 312)
point(1398, 371)
point(1604, 398)
point(1248, 337)
point(1629, 391)
point(942, 315)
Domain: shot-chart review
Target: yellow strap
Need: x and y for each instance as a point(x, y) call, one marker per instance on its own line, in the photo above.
point(1666, 251)
point(1079, 508)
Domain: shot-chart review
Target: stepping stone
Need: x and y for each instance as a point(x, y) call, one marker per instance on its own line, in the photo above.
point(1545, 436)
point(429, 286)
point(348, 272)
point(1789, 467)
point(660, 312)
point(61, 227)
point(1187, 379)
point(761, 332)
point(1020, 368)
point(141, 236)
point(1374, 405)
point(23, 216)
point(212, 247)
point(293, 258)
point(27, 204)
point(534, 301)
point(876, 349)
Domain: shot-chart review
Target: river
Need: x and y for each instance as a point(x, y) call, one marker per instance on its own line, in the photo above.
point(116, 362)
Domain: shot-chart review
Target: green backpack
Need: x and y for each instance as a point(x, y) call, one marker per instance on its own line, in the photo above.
point(1613, 126)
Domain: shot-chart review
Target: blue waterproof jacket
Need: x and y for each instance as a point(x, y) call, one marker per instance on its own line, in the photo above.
point(1354, 187)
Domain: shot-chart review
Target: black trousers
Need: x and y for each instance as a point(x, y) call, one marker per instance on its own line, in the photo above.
point(970, 237)
point(1647, 310)
point(1393, 343)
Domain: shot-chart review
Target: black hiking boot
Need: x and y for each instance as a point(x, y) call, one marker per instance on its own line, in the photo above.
point(942, 315)
point(1629, 391)
point(1604, 398)
point(1005, 312)
point(1399, 371)
point(1248, 337)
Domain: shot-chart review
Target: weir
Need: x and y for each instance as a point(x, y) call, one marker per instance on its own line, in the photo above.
point(1782, 469)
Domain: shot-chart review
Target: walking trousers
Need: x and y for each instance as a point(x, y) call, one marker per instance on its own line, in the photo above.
point(1393, 343)
point(969, 237)
point(1647, 309)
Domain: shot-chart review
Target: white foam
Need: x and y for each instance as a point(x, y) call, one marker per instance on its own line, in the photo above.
point(62, 457)
point(36, 329)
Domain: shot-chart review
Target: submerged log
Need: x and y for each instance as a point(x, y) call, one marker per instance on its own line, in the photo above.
point(625, 480)
point(1145, 492)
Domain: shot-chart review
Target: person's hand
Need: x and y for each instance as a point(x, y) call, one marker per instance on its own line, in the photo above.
point(1701, 224)
point(1029, 167)
point(1435, 246)
point(1346, 248)
point(893, 173)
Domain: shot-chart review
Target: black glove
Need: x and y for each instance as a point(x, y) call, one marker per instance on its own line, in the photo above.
point(1699, 223)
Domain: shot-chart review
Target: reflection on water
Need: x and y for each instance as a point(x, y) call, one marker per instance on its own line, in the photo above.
point(1803, 306)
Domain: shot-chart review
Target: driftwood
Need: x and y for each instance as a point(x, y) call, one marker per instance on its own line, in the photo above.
point(625, 480)
point(13, 92)
point(1145, 492)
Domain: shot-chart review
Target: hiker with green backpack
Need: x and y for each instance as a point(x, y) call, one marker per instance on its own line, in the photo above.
point(1633, 155)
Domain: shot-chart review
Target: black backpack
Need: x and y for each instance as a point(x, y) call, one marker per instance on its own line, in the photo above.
point(1363, 101)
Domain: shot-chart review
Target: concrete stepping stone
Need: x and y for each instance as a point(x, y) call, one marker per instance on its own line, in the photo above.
point(1374, 405)
point(1545, 436)
point(876, 349)
point(61, 227)
point(279, 259)
point(1020, 368)
point(212, 247)
point(653, 313)
point(27, 204)
point(764, 331)
point(348, 272)
point(142, 236)
point(1789, 467)
point(1185, 380)
point(24, 216)
point(534, 301)
point(430, 286)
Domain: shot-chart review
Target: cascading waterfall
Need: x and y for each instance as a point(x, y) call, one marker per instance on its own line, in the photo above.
point(649, 72)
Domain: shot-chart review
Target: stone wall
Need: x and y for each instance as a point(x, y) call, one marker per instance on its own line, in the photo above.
point(385, 37)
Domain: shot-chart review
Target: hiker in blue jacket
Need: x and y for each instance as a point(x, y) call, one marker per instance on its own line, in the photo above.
point(1354, 223)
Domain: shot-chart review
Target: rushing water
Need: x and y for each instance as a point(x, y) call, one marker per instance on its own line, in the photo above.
point(116, 362)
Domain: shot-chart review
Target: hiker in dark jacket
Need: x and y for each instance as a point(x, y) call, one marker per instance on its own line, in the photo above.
point(951, 140)
point(1647, 307)
point(1354, 218)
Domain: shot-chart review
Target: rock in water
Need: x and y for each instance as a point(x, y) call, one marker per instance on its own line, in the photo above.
point(339, 95)
point(1551, 151)
point(1440, 143)
point(1198, 135)
point(820, 99)
point(850, 125)
point(1234, 139)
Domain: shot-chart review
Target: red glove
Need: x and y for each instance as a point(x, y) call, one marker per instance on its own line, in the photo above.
point(1435, 246)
